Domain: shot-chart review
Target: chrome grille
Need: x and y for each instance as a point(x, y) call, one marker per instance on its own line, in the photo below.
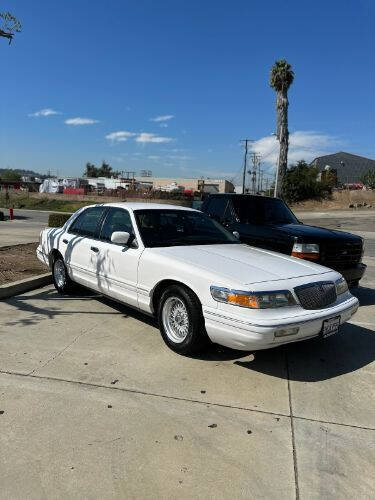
point(316, 295)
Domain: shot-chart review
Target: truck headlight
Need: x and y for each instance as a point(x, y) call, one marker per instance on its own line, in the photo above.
point(306, 251)
point(341, 286)
point(253, 300)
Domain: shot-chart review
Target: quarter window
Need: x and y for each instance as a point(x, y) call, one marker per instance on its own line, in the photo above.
point(88, 223)
point(216, 208)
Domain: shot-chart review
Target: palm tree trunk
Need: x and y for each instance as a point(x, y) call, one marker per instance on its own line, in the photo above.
point(282, 134)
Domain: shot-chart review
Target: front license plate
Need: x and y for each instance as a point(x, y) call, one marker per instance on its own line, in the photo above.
point(330, 326)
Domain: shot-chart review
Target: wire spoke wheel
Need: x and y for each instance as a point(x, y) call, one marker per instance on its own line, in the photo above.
point(175, 319)
point(59, 273)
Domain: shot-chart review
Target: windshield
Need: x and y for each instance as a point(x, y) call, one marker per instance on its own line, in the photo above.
point(162, 228)
point(259, 210)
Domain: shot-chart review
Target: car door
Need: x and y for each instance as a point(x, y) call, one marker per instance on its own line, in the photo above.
point(116, 264)
point(79, 246)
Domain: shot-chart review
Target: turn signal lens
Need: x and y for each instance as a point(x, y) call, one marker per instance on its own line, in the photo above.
point(243, 300)
point(305, 251)
point(284, 332)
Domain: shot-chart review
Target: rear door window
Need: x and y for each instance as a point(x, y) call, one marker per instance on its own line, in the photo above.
point(88, 223)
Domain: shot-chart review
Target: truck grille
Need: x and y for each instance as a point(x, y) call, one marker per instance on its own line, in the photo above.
point(316, 295)
point(341, 254)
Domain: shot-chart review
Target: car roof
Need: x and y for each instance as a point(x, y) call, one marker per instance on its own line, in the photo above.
point(146, 206)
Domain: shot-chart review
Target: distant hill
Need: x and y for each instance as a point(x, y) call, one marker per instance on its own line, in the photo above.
point(23, 172)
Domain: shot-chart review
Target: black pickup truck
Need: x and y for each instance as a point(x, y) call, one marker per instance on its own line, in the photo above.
point(269, 223)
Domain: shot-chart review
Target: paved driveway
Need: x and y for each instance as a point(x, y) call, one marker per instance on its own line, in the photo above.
point(25, 228)
point(93, 405)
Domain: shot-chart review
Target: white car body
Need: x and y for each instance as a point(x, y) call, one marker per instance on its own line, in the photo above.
point(132, 275)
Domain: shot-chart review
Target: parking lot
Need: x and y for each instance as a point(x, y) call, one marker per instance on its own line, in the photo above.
point(94, 405)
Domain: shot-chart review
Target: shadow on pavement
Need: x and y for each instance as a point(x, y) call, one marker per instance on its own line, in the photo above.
point(319, 359)
point(366, 296)
point(306, 361)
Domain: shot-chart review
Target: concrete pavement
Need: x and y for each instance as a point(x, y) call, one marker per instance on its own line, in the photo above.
point(96, 406)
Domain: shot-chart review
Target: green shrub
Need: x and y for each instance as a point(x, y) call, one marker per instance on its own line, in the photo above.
point(368, 179)
point(301, 183)
point(2, 216)
point(58, 220)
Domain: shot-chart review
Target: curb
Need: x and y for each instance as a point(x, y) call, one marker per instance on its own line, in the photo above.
point(21, 286)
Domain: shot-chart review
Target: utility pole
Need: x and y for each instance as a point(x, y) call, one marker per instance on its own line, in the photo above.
point(255, 160)
point(259, 178)
point(246, 141)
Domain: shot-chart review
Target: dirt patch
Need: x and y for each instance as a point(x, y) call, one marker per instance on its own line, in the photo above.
point(19, 262)
point(340, 200)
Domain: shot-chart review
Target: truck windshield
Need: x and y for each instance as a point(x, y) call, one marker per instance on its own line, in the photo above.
point(259, 210)
point(162, 228)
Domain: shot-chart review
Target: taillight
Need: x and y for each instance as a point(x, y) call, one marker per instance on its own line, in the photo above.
point(306, 251)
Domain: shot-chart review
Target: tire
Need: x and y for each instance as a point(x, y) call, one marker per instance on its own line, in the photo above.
point(181, 321)
point(63, 284)
point(354, 284)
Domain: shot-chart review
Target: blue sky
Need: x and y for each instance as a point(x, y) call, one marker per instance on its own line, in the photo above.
point(202, 66)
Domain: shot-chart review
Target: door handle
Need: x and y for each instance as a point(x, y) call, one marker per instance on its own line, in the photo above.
point(65, 241)
point(95, 249)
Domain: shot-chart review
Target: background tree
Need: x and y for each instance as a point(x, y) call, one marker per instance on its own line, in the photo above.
point(10, 175)
point(281, 79)
point(9, 25)
point(91, 170)
point(301, 182)
point(105, 170)
point(368, 179)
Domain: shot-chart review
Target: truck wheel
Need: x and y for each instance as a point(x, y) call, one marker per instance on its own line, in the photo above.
point(354, 284)
point(181, 320)
point(63, 284)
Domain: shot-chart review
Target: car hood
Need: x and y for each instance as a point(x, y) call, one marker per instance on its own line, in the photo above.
point(310, 233)
point(242, 263)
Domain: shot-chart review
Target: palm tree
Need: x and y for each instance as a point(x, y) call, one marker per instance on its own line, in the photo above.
point(281, 79)
point(9, 25)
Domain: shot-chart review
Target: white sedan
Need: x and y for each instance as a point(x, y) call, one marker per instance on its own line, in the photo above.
point(196, 277)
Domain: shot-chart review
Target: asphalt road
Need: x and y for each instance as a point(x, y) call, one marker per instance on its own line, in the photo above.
point(94, 405)
point(25, 228)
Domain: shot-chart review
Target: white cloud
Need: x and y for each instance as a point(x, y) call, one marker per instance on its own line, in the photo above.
point(303, 145)
point(179, 157)
point(153, 157)
point(80, 121)
point(162, 118)
point(163, 125)
point(175, 150)
point(120, 136)
point(45, 112)
point(146, 137)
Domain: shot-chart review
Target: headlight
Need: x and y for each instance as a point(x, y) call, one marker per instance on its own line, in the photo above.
point(253, 300)
point(341, 286)
point(306, 251)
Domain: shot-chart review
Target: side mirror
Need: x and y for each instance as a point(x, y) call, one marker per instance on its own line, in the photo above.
point(120, 237)
point(236, 234)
